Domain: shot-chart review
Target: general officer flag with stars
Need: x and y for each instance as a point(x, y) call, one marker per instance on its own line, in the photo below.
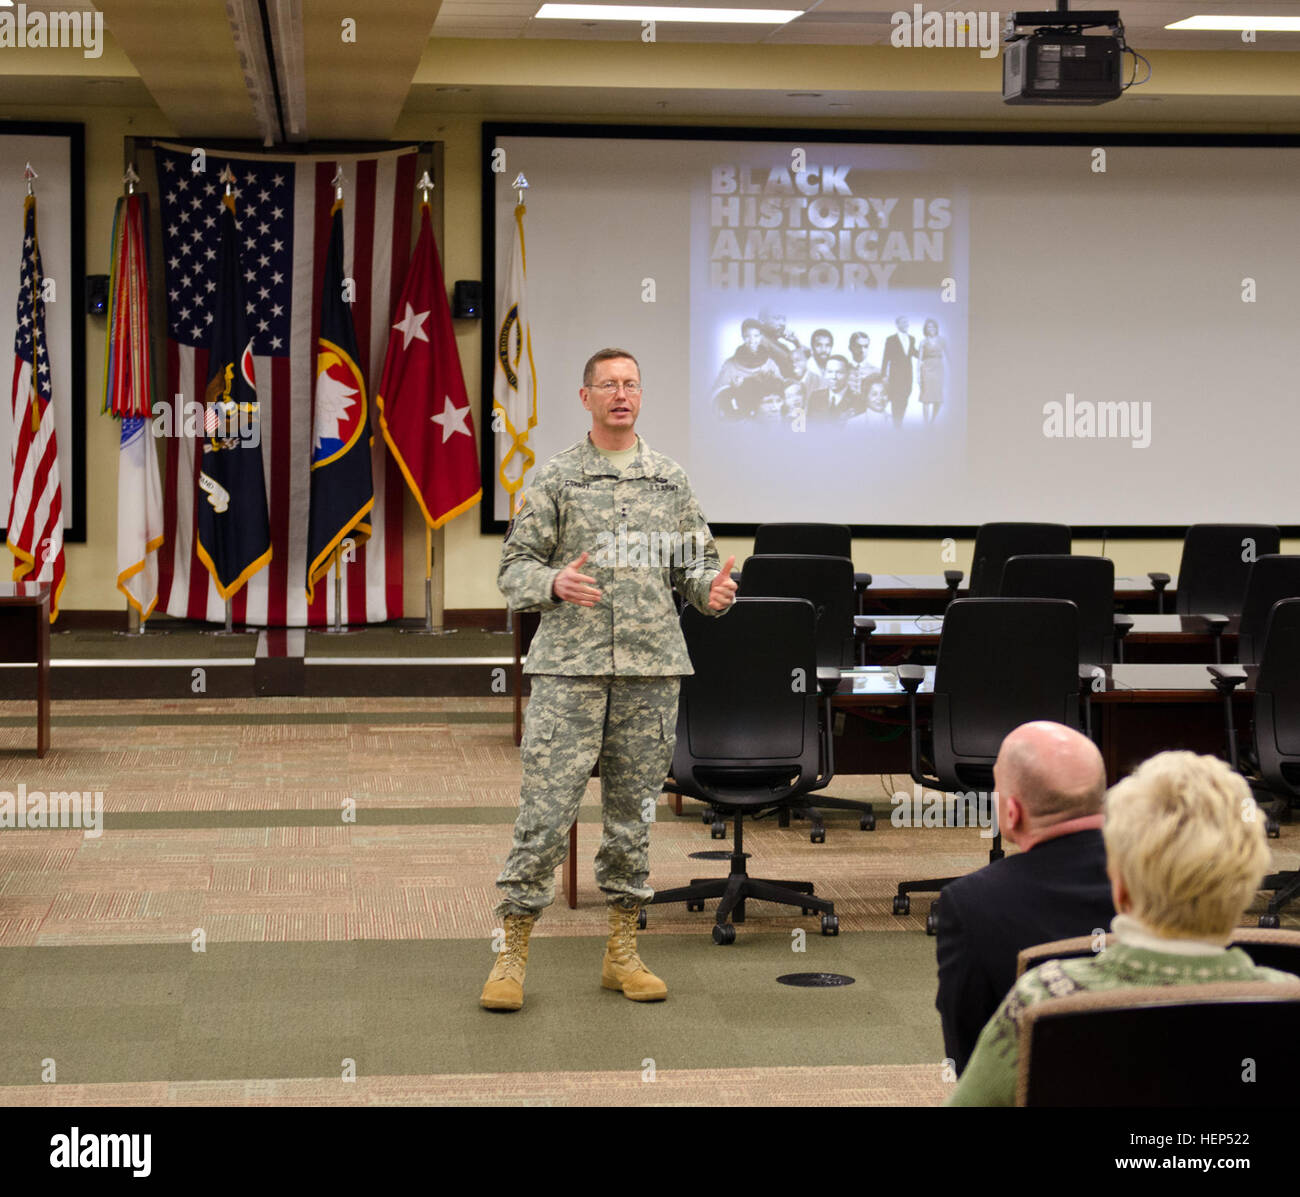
point(234, 532)
point(424, 413)
point(342, 490)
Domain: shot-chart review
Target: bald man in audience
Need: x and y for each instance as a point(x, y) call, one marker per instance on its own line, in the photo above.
point(1050, 783)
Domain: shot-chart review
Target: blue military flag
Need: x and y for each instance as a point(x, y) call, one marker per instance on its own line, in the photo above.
point(234, 533)
point(342, 490)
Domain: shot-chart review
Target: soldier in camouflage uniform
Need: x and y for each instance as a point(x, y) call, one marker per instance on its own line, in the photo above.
point(606, 664)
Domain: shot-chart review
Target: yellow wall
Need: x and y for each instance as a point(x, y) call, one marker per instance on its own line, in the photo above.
point(470, 559)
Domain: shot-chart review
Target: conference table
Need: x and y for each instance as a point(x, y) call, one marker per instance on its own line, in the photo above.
point(25, 640)
point(918, 593)
point(1138, 710)
point(1152, 638)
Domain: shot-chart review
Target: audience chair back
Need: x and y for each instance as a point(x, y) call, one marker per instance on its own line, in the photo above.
point(1088, 582)
point(826, 582)
point(1171, 1046)
point(1002, 662)
point(994, 543)
point(1271, 579)
point(1277, 700)
point(1216, 563)
point(747, 732)
point(1267, 948)
point(817, 540)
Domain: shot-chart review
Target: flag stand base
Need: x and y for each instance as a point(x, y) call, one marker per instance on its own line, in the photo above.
point(229, 629)
point(427, 628)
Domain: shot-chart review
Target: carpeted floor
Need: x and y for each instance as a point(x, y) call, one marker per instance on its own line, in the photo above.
point(334, 859)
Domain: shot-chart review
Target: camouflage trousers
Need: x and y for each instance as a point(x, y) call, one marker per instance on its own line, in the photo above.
point(629, 724)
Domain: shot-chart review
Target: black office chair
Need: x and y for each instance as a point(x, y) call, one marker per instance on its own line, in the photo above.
point(1002, 662)
point(827, 583)
point(1271, 579)
point(1162, 1046)
point(1275, 734)
point(1215, 563)
point(995, 543)
point(749, 741)
point(816, 540)
point(1089, 583)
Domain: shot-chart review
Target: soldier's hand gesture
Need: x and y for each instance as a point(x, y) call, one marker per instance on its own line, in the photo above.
point(573, 587)
point(722, 592)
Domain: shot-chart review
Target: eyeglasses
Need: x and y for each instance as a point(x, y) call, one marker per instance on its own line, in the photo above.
point(611, 388)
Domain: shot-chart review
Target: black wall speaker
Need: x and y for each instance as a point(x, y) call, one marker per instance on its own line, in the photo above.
point(467, 299)
point(97, 294)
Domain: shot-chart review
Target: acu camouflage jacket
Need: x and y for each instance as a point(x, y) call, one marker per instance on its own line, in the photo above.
point(643, 532)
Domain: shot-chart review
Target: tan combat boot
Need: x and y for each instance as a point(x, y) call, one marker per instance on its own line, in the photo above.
point(505, 984)
point(622, 968)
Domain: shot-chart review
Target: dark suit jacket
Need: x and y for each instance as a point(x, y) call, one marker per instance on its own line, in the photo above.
point(819, 405)
point(897, 366)
point(1055, 890)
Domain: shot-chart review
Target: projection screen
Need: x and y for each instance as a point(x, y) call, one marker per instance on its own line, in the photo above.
point(910, 335)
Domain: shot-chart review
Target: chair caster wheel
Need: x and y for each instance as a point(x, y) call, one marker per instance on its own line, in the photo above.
point(694, 905)
point(806, 911)
point(640, 919)
point(719, 830)
point(1268, 920)
point(707, 817)
point(783, 818)
point(867, 822)
point(817, 835)
point(723, 933)
point(1272, 829)
point(932, 923)
point(830, 924)
point(902, 904)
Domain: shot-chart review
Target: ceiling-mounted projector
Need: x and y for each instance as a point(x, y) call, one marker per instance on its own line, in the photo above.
point(1055, 62)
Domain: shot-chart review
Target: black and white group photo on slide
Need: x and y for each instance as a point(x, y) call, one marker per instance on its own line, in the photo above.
point(867, 382)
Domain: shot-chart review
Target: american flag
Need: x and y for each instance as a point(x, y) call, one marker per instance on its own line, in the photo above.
point(283, 212)
point(35, 525)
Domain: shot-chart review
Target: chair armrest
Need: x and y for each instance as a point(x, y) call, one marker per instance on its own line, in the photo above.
point(861, 581)
point(1123, 625)
point(1088, 674)
point(828, 679)
point(910, 677)
point(864, 624)
point(953, 578)
point(1225, 678)
point(1216, 623)
point(1158, 581)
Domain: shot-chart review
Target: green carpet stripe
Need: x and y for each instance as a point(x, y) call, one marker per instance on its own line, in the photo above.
point(401, 1007)
point(198, 820)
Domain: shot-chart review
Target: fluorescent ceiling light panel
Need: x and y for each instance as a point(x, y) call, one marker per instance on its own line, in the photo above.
point(661, 12)
point(1259, 24)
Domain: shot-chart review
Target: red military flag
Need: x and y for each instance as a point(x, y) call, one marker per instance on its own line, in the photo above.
point(424, 413)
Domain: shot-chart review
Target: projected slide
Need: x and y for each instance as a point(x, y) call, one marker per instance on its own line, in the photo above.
point(924, 334)
point(827, 329)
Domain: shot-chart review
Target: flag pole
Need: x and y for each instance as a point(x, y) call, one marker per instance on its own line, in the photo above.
point(425, 187)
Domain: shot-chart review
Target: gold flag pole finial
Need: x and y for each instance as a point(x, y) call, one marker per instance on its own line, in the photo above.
point(337, 181)
point(130, 179)
point(520, 185)
point(425, 185)
point(227, 177)
point(31, 176)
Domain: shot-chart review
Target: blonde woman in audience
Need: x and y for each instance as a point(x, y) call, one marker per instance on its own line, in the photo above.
point(1186, 851)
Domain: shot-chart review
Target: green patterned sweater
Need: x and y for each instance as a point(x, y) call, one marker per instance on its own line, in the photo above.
point(990, 1076)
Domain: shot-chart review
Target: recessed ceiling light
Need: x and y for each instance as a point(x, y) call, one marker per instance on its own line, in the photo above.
point(1234, 24)
point(660, 12)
